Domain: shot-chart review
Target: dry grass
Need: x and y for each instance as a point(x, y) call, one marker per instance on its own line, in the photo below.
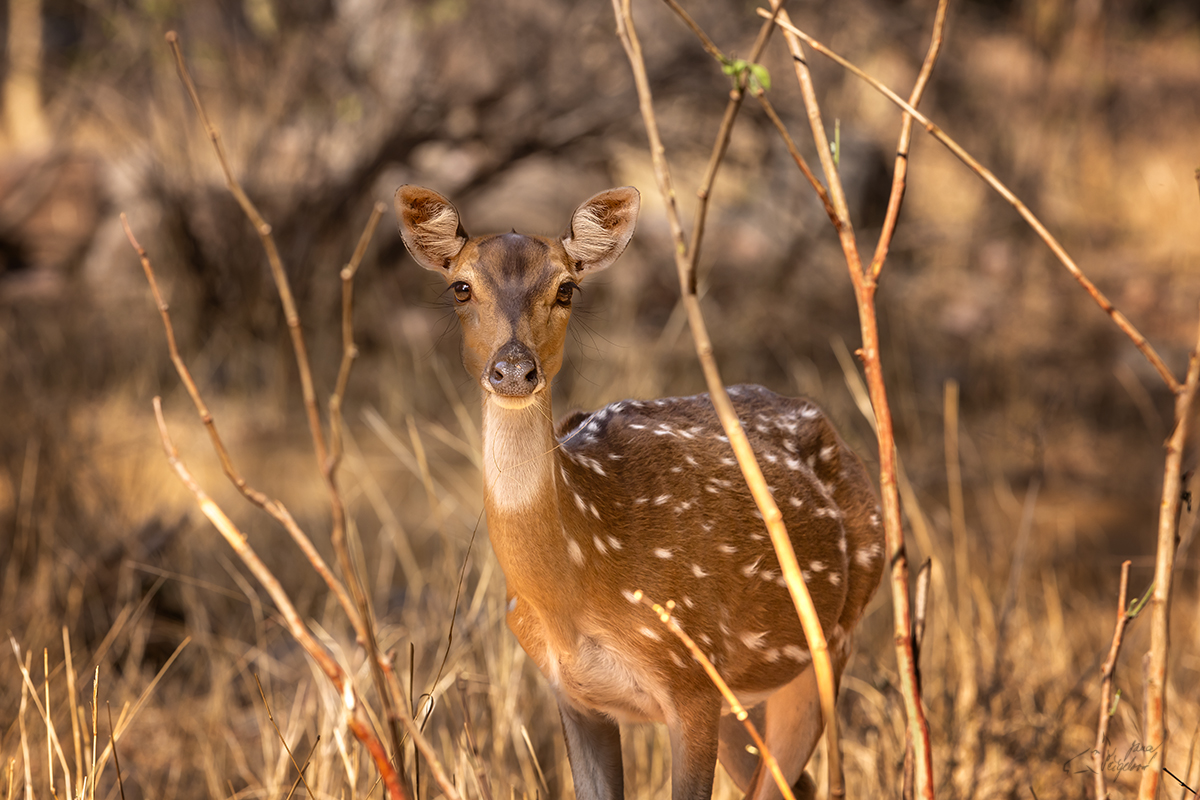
point(100, 540)
point(204, 731)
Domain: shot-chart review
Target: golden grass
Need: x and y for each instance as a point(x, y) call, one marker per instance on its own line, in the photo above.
point(203, 731)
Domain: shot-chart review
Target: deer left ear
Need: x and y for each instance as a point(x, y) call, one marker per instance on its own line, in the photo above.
point(601, 228)
point(430, 227)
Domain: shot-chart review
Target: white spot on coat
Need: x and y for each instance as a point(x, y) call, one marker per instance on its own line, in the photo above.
point(797, 653)
point(753, 641)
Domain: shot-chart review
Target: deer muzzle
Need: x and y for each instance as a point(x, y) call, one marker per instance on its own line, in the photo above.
point(513, 371)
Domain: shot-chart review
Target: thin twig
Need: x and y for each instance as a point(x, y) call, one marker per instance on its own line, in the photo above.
point(1164, 562)
point(481, 776)
point(112, 742)
point(50, 732)
point(44, 711)
point(752, 472)
point(864, 291)
point(268, 242)
point(1106, 682)
point(900, 171)
point(435, 766)
point(794, 151)
point(279, 733)
point(269, 504)
point(381, 669)
point(303, 767)
point(736, 95)
point(665, 616)
point(356, 718)
point(1139, 341)
point(73, 704)
point(383, 674)
point(349, 350)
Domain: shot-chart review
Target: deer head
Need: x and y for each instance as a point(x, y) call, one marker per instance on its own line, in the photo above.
point(513, 292)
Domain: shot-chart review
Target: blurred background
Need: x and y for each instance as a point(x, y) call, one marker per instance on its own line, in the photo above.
point(518, 110)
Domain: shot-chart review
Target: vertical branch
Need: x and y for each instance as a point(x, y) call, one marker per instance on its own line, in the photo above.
point(349, 350)
point(272, 506)
point(1119, 319)
point(382, 673)
point(268, 242)
point(864, 290)
point(1106, 682)
point(326, 461)
point(1164, 562)
point(356, 717)
point(900, 171)
point(685, 265)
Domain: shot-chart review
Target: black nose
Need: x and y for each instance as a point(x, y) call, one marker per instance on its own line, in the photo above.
point(513, 371)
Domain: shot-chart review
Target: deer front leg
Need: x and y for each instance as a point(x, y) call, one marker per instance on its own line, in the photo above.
point(594, 750)
point(694, 743)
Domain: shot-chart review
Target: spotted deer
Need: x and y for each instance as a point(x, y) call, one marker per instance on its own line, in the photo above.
point(646, 495)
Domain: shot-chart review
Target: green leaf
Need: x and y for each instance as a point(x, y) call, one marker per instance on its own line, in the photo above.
point(760, 75)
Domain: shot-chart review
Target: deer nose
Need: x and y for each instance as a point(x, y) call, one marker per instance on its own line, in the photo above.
point(513, 371)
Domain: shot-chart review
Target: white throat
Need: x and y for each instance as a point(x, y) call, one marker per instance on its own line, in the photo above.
point(518, 453)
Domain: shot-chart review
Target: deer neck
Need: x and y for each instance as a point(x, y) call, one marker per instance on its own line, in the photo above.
point(524, 518)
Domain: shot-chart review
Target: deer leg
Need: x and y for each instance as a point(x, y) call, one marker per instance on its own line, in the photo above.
point(737, 761)
point(793, 727)
point(594, 750)
point(694, 737)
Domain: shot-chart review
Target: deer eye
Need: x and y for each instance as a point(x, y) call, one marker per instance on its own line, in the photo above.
point(462, 291)
point(565, 293)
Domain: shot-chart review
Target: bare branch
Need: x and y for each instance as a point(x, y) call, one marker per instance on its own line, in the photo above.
point(268, 242)
point(900, 172)
point(735, 707)
point(685, 261)
point(864, 291)
point(1106, 682)
point(1139, 341)
point(1164, 563)
point(272, 506)
point(356, 717)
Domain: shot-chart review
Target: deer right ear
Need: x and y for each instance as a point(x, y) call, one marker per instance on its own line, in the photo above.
point(430, 227)
point(601, 227)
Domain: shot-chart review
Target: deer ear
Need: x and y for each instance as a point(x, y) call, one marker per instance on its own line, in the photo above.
point(601, 227)
point(430, 227)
